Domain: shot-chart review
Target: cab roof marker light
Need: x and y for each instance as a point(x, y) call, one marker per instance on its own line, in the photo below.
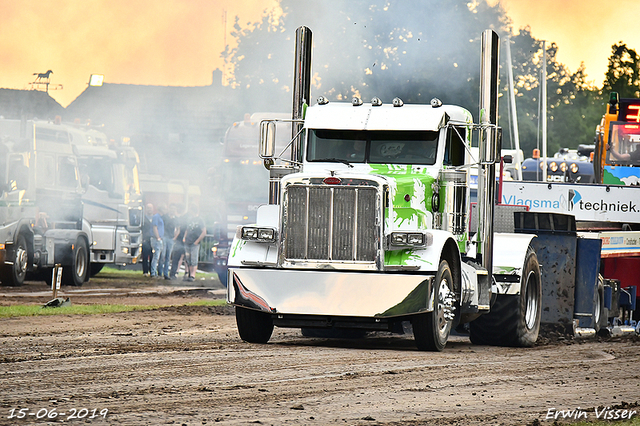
point(376, 101)
point(397, 102)
point(322, 100)
point(436, 103)
point(356, 101)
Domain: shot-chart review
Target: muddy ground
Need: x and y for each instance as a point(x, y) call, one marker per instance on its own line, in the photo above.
point(186, 365)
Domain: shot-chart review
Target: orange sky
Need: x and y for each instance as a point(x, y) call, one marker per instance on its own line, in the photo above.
point(178, 42)
point(584, 30)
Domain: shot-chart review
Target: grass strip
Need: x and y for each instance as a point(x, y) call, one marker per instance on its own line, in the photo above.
point(38, 310)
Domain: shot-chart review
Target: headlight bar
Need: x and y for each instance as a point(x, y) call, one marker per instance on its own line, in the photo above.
point(258, 234)
point(410, 239)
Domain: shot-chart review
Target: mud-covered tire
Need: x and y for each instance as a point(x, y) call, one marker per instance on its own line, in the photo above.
point(78, 272)
point(599, 312)
point(514, 320)
point(431, 329)
point(253, 326)
point(13, 275)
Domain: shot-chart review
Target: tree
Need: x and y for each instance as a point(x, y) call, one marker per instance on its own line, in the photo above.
point(623, 73)
point(574, 106)
point(369, 48)
point(387, 48)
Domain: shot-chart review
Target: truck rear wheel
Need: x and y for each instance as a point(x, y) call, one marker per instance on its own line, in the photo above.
point(13, 275)
point(431, 329)
point(514, 320)
point(253, 326)
point(599, 312)
point(95, 269)
point(76, 273)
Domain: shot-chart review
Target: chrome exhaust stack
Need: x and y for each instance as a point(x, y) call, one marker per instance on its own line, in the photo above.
point(301, 96)
point(489, 150)
point(301, 86)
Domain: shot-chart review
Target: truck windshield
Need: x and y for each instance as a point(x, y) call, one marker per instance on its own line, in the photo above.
point(380, 147)
point(110, 175)
point(624, 144)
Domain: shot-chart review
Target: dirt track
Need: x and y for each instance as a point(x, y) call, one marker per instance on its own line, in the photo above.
point(186, 365)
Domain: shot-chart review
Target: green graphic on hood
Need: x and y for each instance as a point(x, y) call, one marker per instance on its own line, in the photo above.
point(237, 246)
point(403, 257)
point(412, 181)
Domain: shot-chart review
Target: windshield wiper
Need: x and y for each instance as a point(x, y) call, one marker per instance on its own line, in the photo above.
point(334, 160)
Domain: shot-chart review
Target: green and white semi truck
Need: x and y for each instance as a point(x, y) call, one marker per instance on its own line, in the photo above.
point(368, 224)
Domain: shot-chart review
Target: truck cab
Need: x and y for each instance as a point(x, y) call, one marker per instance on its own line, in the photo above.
point(41, 209)
point(111, 197)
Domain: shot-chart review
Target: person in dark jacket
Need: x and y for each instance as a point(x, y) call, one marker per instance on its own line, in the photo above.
point(147, 232)
point(178, 246)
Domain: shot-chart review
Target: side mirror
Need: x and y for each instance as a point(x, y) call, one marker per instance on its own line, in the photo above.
point(267, 139)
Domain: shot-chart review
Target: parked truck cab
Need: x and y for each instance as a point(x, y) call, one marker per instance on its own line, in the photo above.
point(40, 204)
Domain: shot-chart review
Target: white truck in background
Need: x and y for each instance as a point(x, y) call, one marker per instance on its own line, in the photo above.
point(112, 200)
point(41, 222)
point(67, 198)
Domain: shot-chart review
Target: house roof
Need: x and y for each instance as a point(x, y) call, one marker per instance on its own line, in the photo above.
point(15, 104)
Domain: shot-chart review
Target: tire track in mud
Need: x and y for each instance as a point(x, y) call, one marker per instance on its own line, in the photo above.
point(159, 368)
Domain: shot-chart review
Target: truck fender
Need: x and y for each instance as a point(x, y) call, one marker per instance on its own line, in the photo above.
point(86, 228)
point(509, 252)
point(64, 239)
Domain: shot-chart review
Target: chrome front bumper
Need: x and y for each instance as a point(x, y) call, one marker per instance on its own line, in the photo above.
point(333, 293)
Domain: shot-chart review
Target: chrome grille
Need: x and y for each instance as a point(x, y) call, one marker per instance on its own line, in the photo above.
point(331, 223)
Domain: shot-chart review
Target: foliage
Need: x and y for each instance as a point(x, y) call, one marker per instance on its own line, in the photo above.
point(623, 74)
point(368, 48)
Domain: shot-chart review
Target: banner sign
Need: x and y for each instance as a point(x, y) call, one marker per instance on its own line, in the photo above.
point(587, 202)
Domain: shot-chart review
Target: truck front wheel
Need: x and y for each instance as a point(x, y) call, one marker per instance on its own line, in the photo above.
point(431, 330)
point(514, 320)
point(76, 273)
point(13, 275)
point(253, 326)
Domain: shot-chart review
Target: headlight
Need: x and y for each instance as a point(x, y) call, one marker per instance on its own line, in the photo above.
point(252, 233)
point(574, 168)
point(553, 166)
point(410, 239)
point(125, 238)
point(563, 167)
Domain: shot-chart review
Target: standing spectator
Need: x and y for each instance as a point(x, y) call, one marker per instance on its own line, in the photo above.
point(178, 245)
point(157, 225)
point(170, 230)
point(195, 232)
point(147, 251)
